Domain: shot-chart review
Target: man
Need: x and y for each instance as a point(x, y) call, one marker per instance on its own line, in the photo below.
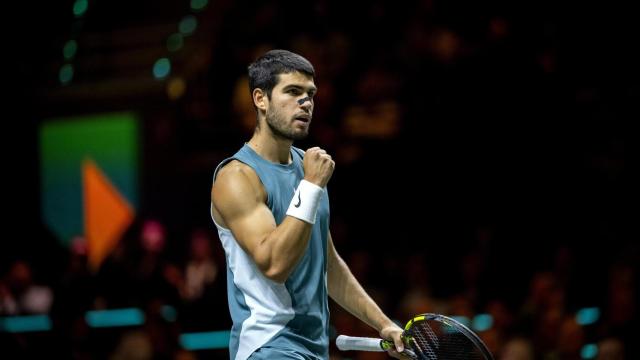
point(270, 205)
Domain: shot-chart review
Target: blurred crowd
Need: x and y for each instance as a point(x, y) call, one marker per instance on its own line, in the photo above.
point(178, 292)
point(188, 278)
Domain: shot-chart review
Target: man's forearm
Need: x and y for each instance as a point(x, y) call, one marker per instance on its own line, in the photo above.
point(284, 248)
point(345, 289)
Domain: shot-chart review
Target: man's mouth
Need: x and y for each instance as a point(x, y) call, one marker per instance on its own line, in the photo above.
point(304, 118)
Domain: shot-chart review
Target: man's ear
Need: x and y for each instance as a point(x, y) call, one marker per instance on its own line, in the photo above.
point(260, 99)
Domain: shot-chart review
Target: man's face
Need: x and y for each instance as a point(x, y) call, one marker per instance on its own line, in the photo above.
point(286, 117)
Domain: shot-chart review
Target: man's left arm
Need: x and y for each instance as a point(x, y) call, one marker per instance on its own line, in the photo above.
point(348, 293)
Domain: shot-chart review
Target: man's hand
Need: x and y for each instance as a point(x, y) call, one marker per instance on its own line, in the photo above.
point(318, 166)
point(394, 332)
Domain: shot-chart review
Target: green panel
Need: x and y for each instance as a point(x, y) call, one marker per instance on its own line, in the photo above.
point(25, 323)
point(205, 340)
point(116, 317)
point(110, 140)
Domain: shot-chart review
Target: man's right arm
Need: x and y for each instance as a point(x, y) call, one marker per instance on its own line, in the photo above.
point(239, 198)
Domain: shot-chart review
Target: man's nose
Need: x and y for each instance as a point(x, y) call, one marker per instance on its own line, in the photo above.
point(305, 100)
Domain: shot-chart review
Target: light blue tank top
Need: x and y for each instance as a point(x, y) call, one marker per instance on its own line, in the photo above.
point(272, 320)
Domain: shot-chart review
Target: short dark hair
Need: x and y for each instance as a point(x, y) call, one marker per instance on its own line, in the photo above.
point(263, 73)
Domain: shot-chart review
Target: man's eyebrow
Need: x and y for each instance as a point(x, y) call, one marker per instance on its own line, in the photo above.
point(300, 87)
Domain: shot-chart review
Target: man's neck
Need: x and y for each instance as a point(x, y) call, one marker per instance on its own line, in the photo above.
point(270, 147)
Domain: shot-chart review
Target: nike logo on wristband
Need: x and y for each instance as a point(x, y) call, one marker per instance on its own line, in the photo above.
point(299, 201)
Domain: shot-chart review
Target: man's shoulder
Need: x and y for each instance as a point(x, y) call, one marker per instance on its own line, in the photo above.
point(235, 170)
point(234, 165)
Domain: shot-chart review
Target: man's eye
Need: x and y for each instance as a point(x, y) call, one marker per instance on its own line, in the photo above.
point(294, 92)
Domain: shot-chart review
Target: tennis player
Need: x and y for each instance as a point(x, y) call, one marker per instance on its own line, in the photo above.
point(270, 205)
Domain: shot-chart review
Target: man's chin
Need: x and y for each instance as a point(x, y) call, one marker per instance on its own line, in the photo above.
point(299, 135)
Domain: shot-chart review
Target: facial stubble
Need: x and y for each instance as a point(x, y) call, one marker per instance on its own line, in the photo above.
point(282, 128)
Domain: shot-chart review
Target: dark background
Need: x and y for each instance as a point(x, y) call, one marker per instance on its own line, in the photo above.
point(511, 151)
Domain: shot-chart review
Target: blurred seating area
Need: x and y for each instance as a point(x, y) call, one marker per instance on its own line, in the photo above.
point(154, 292)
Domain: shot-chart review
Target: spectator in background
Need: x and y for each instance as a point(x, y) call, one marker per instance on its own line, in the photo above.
point(133, 345)
point(610, 348)
point(155, 276)
point(76, 289)
point(200, 292)
point(21, 295)
point(518, 348)
point(621, 297)
point(202, 269)
point(570, 339)
point(74, 295)
point(8, 304)
point(139, 271)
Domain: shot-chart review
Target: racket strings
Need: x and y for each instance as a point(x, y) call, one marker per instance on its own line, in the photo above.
point(425, 340)
point(435, 340)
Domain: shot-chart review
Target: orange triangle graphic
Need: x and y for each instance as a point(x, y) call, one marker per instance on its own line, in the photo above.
point(107, 214)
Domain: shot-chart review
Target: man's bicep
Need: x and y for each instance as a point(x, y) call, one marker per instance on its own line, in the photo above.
point(239, 201)
point(252, 228)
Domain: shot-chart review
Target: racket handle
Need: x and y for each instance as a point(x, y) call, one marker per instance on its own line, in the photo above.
point(346, 343)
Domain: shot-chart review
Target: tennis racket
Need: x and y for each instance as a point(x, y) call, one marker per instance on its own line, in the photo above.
point(427, 337)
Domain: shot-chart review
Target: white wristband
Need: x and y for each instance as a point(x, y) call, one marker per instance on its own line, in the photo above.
point(304, 204)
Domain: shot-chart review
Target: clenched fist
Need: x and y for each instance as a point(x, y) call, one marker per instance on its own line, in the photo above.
point(318, 166)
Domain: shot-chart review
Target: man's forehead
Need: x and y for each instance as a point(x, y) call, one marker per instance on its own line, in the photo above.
point(295, 78)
